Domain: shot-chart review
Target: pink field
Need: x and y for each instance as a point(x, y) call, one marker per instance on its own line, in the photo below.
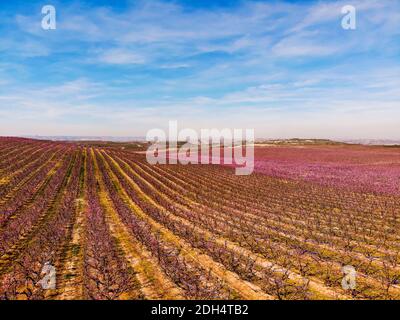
point(359, 168)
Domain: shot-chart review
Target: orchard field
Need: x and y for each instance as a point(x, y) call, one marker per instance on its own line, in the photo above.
point(115, 227)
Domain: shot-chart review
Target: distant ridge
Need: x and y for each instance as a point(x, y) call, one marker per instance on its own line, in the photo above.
point(375, 142)
point(87, 138)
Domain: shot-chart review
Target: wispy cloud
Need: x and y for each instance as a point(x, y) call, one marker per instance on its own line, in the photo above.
point(120, 56)
point(116, 69)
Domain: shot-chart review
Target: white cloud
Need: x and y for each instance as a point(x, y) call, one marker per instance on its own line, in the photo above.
point(303, 46)
point(121, 56)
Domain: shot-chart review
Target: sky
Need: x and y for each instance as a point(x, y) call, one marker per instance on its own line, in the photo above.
point(120, 68)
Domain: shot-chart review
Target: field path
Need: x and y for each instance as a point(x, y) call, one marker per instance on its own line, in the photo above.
point(245, 289)
point(71, 286)
point(154, 283)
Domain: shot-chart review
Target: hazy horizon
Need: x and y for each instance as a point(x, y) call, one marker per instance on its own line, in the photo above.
point(124, 139)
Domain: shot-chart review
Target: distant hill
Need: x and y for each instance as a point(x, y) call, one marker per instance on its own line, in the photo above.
point(88, 138)
point(297, 141)
point(375, 142)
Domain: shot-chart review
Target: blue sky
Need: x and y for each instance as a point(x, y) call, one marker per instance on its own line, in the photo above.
point(120, 68)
